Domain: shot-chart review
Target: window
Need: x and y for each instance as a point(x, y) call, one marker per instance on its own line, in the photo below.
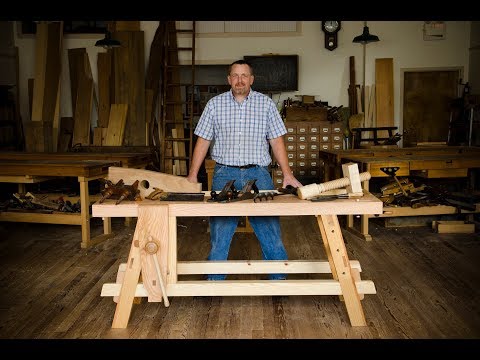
point(243, 27)
point(69, 27)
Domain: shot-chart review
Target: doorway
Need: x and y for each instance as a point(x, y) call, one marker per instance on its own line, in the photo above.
point(427, 96)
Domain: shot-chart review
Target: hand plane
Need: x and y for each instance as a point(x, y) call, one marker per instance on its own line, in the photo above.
point(229, 193)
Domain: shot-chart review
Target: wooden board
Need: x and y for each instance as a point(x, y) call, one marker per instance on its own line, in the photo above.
point(150, 179)
point(384, 92)
point(129, 80)
point(285, 205)
point(116, 125)
point(104, 65)
point(453, 227)
point(65, 134)
point(38, 136)
point(83, 112)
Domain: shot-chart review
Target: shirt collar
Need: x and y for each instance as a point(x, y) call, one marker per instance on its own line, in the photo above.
point(250, 94)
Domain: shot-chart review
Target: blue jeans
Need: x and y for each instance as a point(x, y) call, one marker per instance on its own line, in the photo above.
point(266, 228)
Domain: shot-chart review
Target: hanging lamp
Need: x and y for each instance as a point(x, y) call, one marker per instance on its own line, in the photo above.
point(366, 37)
point(107, 42)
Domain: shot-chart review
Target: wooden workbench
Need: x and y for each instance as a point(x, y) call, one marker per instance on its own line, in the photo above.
point(154, 252)
point(432, 163)
point(85, 170)
point(23, 168)
point(333, 159)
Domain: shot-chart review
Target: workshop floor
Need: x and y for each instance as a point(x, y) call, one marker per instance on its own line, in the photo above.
point(427, 287)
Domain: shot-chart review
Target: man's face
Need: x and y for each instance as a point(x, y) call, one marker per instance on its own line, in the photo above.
point(240, 79)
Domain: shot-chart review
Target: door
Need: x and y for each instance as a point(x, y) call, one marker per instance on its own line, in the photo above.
point(426, 106)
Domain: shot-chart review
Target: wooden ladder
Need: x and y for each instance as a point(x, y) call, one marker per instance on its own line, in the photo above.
point(176, 135)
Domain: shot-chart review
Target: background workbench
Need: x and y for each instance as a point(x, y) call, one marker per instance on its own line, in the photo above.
point(429, 163)
point(24, 168)
point(333, 159)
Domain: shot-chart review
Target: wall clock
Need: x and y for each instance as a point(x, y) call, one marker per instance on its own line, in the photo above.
point(331, 29)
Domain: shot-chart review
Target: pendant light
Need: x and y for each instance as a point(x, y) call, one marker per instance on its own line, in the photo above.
point(108, 42)
point(366, 37)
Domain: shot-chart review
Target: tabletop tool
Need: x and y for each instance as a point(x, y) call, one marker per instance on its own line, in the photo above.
point(120, 191)
point(352, 182)
point(159, 194)
point(330, 197)
point(229, 193)
point(269, 195)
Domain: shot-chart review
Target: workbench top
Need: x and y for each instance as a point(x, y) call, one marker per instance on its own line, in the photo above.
point(125, 159)
point(33, 167)
point(284, 205)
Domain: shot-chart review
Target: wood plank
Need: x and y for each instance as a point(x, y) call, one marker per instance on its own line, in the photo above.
point(65, 134)
point(104, 66)
point(99, 134)
point(155, 62)
point(83, 112)
point(31, 217)
point(149, 116)
point(285, 205)
point(148, 180)
point(127, 25)
point(24, 179)
point(116, 125)
point(129, 74)
point(257, 267)
point(76, 63)
point(31, 86)
point(38, 136)
point(41, 46)
point(384, 92)
point(247, 288)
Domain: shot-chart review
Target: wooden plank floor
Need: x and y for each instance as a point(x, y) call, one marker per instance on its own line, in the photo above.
point(427, 287)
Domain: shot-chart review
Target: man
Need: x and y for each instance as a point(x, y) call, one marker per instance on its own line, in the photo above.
point(242, 123)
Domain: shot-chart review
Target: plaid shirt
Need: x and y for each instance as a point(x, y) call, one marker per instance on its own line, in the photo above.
point(240, 130)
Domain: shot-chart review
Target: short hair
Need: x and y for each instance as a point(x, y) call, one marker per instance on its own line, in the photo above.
point(240, 62)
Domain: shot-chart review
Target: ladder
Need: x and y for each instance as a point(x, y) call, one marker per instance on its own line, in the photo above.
point(176, 134)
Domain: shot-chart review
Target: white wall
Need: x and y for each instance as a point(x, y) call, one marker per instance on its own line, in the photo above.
point(322, 73)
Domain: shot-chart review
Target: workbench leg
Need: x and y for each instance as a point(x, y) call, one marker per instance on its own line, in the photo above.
point(84, 212)
point(107, 225)
point(364, 218)
point(328, 251)
point(172, 276)
point(22, 188)
point(129, 285)
point(152, 231)
point(340, 265)
point(363, 233)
